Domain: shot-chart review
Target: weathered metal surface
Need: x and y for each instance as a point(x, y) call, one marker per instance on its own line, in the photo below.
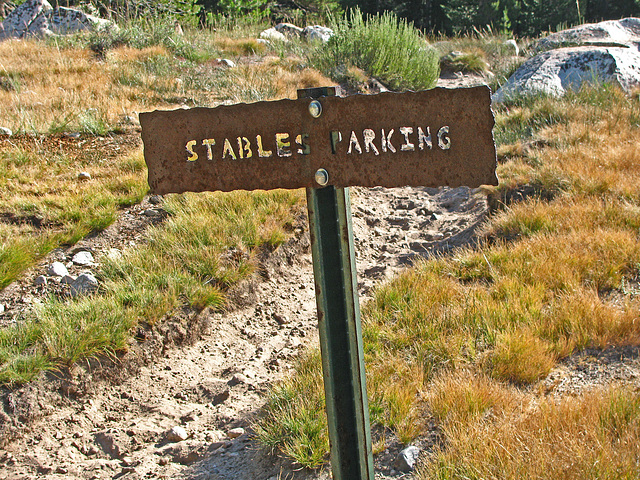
point(340, 333)
point(438, 137)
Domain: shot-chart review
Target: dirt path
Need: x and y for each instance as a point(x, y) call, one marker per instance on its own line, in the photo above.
point(118, 428)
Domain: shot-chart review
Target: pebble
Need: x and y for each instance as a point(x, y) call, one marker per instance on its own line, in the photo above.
point(235, 432)
point(40, 280)
point(57, 269)
point(151, 212)
point(225, 62)
point(177, 434)
point(68, 279)
point(84, 176)
point(406, 459)
point(5, 131)
point(1, 308)
point(84, 284)
point(155, 199)
point(82, 258)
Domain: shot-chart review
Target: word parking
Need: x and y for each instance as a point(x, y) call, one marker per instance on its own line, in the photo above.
point(404, 140)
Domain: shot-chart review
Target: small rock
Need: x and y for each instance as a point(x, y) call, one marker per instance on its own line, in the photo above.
point(84, 176)
point(273, 35)
point(40, 280)
point(225, 62)
point(58, 435)
point(68, 279)
point(82, 258)
point(177, 434)
point(317, 33)
point(1, 309)
point(280, 318)
point(84, 284)
point(5, 131)
point(235, 432)
point(151, 212)
point(406, 459)
point(155, 199)
point(62, 471)
point(237, 379)
point(57, 269)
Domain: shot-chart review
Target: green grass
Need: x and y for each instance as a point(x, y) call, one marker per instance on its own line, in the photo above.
point(382, 46)
point(208, 244)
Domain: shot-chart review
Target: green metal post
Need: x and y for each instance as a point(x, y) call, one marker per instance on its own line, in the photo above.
point(340, 331)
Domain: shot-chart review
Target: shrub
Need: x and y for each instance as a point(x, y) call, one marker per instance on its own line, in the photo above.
point(389, 49)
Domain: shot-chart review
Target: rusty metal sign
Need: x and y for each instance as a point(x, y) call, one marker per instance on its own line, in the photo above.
point(439, 137)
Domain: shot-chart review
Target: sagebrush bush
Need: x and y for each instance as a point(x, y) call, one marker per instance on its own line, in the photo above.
point(384, 47)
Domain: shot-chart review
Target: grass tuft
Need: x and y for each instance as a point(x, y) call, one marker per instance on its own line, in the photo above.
point(384, 47)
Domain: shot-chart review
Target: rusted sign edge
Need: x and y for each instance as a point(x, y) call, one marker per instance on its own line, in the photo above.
point(471, 159)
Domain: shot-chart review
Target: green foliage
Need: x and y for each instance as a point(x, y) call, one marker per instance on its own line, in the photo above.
point(144, 32)
point(384, 47)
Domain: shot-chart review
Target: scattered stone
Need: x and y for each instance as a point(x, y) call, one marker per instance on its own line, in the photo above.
point(83, 258)
point(84, 176)
point(62, 470)
point(111, 444)
point(151, 212)
point(184, 453)
point(272, 34)
point(57, 269)
point(5, 131)
point(68, 279)
point(225, 62)
point(176, 434)
point(155, 199)
point(84, 284)
point(2, 308)
point(406, 459)
point(40, 280)
point(280, 318)
point(237, 379)
point(235, 432)
point(317, 33)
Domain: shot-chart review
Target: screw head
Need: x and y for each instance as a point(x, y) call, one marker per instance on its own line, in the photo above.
point(315, 108)
point(322, 177)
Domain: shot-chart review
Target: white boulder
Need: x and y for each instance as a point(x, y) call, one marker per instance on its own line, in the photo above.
point(273, 35)
point(38, 18)
point(555, 71)
point(27, 20)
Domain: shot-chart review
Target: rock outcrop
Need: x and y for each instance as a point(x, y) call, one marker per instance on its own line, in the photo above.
point(612, 33)
point(37, 18)
point(600, 52)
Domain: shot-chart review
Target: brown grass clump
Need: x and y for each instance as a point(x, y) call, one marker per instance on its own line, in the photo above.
point(494, 431)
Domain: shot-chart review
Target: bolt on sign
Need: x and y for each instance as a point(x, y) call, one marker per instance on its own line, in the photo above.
point(430, 138)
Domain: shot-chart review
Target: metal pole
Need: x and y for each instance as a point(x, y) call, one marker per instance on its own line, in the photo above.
point(340, 328)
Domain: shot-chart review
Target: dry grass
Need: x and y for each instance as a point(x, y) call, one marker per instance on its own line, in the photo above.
point(496, 431)
point(461, 339)
point(48, 91)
